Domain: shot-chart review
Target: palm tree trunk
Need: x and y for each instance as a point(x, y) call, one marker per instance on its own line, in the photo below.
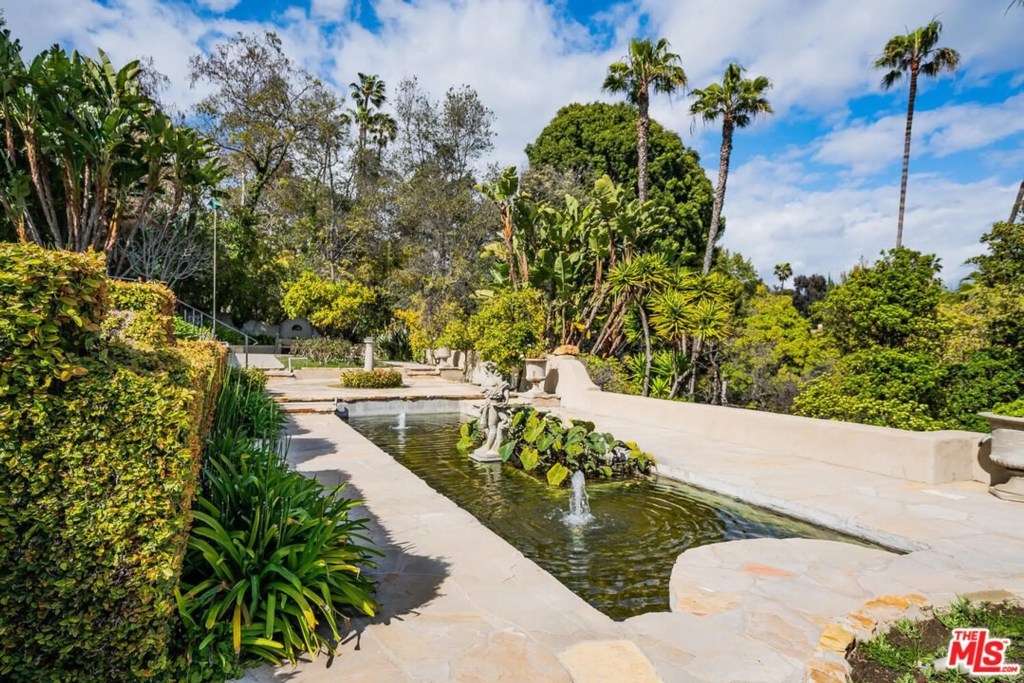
point(906, 154)
point(1017, 204)
point(643, 123)
point(648, 356)
point(723, 177)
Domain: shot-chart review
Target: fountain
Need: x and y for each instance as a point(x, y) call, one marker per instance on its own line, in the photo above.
point(401, 422)
point(579, 506)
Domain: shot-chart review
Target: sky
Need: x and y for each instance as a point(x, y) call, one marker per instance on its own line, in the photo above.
point(815, 185)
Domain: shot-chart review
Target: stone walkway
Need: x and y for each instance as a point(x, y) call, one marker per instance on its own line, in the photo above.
point(462, 604)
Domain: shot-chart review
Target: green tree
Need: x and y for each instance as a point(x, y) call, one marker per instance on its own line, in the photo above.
point(783, 271)
point(338, 308)
point(648, 66)
point(1004, 262)
point(737, 101)
point(807, 291)
point(911, 55)
point(87, 155)
point(893, 303)
point(772, 353)
point(508, 328)
point(588, 141)
point(634, 280)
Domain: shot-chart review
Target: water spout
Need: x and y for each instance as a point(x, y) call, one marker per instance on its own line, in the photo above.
point(401, 422)
point(579, 506)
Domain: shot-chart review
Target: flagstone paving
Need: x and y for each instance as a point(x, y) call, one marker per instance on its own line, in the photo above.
point(462, 604)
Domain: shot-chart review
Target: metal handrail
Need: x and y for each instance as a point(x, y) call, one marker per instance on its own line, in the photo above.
point(191, 314)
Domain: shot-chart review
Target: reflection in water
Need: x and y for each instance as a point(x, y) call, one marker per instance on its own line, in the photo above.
point(621, 560)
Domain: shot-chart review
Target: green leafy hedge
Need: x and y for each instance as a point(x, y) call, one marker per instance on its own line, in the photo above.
point(141, 312)
point(99, 460)
point(372, 379)
point(541, 443)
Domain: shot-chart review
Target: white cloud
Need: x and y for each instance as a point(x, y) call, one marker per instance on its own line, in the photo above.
point(330, 10)
point(773, 215)
point(219, 5)
point(867, 147)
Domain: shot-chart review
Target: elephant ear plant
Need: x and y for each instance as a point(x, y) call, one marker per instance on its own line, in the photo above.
point(542, 444)
point(274, 563)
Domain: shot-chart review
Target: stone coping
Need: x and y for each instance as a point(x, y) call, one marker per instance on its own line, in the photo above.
point(828, 664)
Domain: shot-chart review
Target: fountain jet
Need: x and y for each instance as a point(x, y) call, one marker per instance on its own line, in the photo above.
point(579, 505)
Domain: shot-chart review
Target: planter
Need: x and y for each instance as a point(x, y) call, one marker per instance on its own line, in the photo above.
point(536, 373)
point(442, 355)
point(1008, 452)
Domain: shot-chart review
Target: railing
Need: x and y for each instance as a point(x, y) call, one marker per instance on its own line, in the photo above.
point(193, 315)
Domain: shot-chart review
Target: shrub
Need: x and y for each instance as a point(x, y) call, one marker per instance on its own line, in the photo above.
point(273, 554)
point(332, 306)
point(372, 379)
point(186, 330)
point(610, 374)
point(1010, 408)
point(329, 350)
point(100, 443)
point(142, 312)
point(53, 304)
point(393, 342)
point(542, 444)
point(508, 328)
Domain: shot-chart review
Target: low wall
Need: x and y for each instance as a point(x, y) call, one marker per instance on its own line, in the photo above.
point(426, 405)
point(928, 457)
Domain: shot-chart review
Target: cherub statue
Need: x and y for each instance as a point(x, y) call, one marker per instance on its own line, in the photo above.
point(493, 418)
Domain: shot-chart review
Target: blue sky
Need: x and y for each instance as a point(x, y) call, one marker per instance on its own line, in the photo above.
point(815, 185)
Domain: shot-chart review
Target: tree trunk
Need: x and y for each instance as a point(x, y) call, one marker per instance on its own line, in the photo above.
point(906, 153)
point(723, 177)
point(648, 356)
point(643, 123)
point(1015, 211)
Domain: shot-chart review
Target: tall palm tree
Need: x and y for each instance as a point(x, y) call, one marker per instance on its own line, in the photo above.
point(737, 101)
point(648, 66)
point(1015, 210)
point(368, 93)
point(913, 54)
point(783, 272)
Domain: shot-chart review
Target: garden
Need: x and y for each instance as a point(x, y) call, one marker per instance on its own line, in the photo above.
point(151, 525)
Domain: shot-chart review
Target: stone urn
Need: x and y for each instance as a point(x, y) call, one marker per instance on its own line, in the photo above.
point(442, 355)
point(1008, 452)
point(536, 373)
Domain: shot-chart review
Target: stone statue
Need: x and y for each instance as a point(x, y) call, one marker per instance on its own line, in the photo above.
point(493, 417)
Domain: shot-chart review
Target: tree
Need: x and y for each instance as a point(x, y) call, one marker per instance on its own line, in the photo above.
point(807, 291)
point(634, 280)
point(1004, 262)
point(737, 101)
point(772, 353)
point(508, 328)
point(1015, 209)
point(372, 125)
point(86, 155)
point(893, 303)
point(783, 271)
point(262, 108)
point(648, 66)
point(338, 308)
point(910, 55)
point(588, 141)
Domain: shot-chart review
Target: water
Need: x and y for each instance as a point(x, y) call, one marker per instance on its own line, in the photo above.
point(401, 422)
point(579, 504)
point(621, 559)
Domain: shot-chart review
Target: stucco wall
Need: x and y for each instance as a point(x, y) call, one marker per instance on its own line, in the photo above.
point(929, 457)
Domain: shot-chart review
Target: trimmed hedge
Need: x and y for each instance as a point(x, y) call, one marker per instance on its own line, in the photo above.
point(99, 462)
point(142, 312)
point(372, 379)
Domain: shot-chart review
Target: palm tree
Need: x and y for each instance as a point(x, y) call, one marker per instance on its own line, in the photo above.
point(914, 53)
point(1017, 202)
point(737, 101)
point(648, 66)
point(783, 272)
point(633, 281)
point(368, 93)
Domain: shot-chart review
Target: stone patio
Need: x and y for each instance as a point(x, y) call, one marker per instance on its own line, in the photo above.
point(462, 604)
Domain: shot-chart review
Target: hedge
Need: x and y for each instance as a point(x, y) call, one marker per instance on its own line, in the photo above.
point(371, 379)
point(99, 463)
point(141, 311)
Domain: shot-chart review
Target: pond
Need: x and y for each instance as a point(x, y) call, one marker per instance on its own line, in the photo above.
point(621, 561)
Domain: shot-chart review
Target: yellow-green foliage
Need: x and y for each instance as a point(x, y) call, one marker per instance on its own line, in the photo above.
point(371, 379)
point(98, 471)
point(142, 312)
point(52, 306)
point(332, 306)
